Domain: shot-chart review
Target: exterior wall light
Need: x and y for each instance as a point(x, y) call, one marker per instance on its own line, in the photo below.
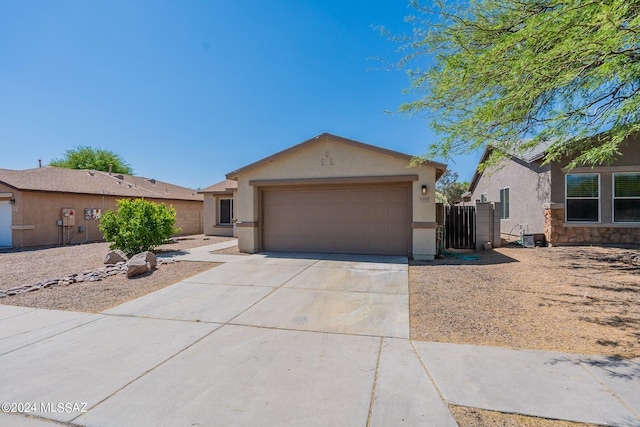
point(424, 190)
point(12, 200)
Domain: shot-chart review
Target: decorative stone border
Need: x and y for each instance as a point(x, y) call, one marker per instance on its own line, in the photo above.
point(86, 276)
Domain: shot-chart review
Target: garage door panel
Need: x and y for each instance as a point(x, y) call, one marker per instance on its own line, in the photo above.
point(340, 229)
point(358, 231)
point(358, 213)
point(379, 196)
point(397, 229)
point(355, 220)
point(340, 196)
point(395, 211)
point(396, 245)
point(358, 245)
point(323, 228)
point(321, 197)
point(379, 212)
point(360, 195)
point(398, 196)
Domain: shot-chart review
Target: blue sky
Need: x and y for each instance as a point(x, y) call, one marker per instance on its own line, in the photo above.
point(186, 91)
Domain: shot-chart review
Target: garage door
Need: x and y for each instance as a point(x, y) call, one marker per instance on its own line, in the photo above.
point(371, 220)
point(5, 223)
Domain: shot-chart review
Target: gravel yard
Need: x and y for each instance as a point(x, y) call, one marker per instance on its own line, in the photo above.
point(18, 267)
point(571, 299)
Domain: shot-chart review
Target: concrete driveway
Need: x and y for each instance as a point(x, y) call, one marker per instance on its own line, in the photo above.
point(268, 339)
point(284, 339)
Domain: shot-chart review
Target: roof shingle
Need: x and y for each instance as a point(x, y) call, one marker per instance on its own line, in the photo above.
point(61, 180)
point(226, 186)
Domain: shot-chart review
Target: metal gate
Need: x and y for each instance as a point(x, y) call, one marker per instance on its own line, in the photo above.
point(459, 227)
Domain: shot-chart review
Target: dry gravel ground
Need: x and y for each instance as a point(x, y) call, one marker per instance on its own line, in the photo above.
point(579, 299)
point(19, 267)
point(472, 417)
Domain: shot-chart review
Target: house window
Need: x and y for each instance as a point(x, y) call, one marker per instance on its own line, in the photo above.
point(504, 203)
point(483, 198)
point(626, 197)
point(226, 211)
point(583, 197)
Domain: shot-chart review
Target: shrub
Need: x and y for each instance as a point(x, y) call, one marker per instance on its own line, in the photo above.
point(138, 225)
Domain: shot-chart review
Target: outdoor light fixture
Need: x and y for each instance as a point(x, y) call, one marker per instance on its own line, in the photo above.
point(424, 190)
point(12, 200)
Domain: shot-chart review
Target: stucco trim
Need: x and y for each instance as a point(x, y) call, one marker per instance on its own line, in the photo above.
point(602, 224)
point(246, 224)
point(429, 225)
point(6, 195)
point(597, 169)
point(23, 227)
point(333, 180)
point(553, 206)
point(218, 193)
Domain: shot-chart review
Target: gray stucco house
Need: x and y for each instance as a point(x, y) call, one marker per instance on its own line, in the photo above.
point(582, 205)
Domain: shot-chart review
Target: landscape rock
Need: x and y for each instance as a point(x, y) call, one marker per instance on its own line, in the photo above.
point(115, 256)
point(148, 257)
point(137, 266)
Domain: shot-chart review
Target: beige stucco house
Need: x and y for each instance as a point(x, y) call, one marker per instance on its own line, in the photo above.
point(335, 195)
point(50, 206)
point(219, 214)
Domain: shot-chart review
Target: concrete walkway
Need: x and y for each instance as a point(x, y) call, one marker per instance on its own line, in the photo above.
point(284, 339)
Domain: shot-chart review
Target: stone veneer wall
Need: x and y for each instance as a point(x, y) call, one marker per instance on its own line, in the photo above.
point(556, 232)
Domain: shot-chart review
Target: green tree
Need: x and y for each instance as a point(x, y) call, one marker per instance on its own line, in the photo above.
point(450, 188)
point(138, 225)
point(83, 157)
point(519, 73)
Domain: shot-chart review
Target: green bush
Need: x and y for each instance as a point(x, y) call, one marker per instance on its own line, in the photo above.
point(138, 225)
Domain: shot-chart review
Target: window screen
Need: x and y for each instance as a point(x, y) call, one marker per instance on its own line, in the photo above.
point(626, 197)
point(583, 197)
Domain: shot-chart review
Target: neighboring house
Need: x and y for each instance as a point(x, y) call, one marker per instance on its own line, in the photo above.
point(334, 195)
point(582, 205)
point(49, 205)
point(219, 215)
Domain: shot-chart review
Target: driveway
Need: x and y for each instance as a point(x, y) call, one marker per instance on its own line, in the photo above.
point(268, 339)
point(284, 339)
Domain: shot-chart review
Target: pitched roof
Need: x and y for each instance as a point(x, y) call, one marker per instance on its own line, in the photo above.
point(528, 156)
point(226, 186)
point(440, 167)
point(61, 180)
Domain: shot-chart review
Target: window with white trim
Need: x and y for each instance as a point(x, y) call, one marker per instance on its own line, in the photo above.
point(626, 197)
point(483, 198)
point(226, 211)
point(504, 203)
point(582, 201)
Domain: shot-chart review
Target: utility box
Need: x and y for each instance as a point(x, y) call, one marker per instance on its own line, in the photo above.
point(68, 217)
point(533, 240)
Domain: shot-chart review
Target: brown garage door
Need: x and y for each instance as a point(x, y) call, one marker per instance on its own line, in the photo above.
point(369, 220)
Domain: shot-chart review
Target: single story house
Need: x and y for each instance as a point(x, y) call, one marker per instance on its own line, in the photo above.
point(584, 205)
point(219, 215)
point(331, 194)
point(51, 206)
